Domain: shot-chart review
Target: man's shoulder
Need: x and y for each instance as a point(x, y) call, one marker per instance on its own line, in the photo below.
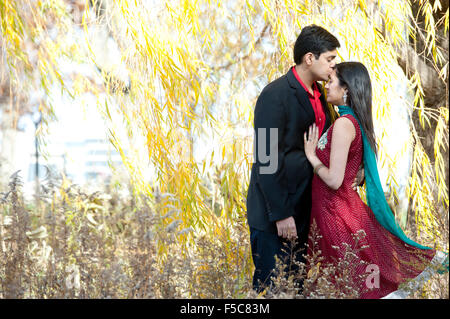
point(278, 85)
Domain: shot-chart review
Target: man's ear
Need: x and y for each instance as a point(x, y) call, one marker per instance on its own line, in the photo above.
point(309, 58)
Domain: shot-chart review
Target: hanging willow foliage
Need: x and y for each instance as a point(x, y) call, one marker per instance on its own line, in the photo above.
point(195, 70)
point(35, 37)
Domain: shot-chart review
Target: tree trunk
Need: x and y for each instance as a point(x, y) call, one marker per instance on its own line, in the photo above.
point(413, 57)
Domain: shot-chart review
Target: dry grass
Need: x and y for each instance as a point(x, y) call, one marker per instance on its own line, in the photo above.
point(79, 245)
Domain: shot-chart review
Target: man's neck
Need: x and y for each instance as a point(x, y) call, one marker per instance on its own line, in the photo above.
point(305, 76)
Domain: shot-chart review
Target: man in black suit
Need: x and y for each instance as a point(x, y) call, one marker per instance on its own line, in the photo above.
point(279, 193)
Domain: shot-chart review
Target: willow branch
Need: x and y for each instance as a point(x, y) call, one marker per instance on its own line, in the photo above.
point(235, 59)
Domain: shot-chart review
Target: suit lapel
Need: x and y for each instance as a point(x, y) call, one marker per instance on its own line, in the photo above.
point(301, 94)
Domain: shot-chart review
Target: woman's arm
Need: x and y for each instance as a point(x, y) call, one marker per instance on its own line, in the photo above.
point(343, 135)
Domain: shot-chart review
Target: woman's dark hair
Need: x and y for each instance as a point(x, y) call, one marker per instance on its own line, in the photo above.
point(314, 39)
point(355, 77)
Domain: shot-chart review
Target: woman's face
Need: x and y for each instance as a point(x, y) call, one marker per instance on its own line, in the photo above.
point(335, 92)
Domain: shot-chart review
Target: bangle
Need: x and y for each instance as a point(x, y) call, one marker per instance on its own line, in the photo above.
point(318, 167)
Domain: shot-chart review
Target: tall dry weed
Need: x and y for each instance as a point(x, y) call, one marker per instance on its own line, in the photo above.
point(73, 243)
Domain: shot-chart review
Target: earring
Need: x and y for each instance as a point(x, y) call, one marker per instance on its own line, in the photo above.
point(344, 97)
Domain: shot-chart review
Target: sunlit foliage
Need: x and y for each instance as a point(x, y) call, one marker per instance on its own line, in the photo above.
point(195, 69)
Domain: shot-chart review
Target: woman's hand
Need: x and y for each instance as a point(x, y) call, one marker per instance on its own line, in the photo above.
point(359, 179)
point(311, 141)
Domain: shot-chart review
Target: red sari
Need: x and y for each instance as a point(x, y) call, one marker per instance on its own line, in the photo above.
point(341, 213)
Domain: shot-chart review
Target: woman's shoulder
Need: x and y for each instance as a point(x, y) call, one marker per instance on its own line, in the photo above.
point(345, 127)
point(345, 121)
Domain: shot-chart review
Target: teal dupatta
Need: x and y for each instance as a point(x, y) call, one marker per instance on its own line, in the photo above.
point(374, 192)
point(375, 195)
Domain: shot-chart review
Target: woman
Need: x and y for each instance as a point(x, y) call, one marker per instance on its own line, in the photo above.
point(337, 209)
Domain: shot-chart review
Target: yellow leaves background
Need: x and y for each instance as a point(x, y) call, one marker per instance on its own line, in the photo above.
point(195, 69)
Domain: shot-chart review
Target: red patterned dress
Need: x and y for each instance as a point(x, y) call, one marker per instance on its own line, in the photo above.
point(341, 213)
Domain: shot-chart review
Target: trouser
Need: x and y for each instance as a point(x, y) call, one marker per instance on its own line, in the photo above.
point(265, 246)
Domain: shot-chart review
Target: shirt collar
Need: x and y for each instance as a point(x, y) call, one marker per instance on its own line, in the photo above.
point(315, 88)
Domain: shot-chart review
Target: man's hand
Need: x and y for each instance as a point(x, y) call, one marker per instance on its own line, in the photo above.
point(359, 179)
point(286, 228)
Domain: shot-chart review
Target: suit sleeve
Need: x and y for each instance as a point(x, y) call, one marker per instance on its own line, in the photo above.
point(271, 175)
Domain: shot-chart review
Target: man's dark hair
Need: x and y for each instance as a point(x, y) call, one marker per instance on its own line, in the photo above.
point(314, 39)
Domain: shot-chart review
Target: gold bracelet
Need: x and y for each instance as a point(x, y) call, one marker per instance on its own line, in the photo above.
point(316, 169)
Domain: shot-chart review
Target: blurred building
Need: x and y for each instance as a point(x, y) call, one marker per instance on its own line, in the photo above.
point(83, 162)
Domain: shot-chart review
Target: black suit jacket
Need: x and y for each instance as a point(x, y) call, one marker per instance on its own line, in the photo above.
point(283, 104)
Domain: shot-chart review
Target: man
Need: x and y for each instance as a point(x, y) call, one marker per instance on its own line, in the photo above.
point(279, 199)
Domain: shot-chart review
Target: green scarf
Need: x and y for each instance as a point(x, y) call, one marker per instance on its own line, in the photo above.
point(374, 192)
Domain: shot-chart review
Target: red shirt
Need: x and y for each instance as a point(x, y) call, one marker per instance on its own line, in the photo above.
point(315, 102)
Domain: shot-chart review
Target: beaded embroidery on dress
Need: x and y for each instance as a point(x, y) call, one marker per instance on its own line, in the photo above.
point(323, 140)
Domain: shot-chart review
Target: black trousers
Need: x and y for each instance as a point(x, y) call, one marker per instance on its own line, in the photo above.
point(265, 246)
